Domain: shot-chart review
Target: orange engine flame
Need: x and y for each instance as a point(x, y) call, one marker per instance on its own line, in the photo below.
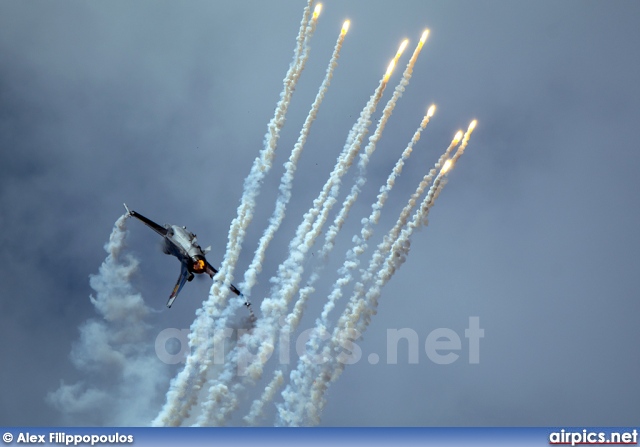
point(198, 266)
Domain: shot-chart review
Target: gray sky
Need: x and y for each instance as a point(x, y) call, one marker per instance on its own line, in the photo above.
point(164, 105)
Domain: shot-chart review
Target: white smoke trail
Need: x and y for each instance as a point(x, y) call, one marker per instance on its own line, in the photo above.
point(259, 404)
point(270, 391)
point(364, 159)
point(357, 316)
point(360, 242)
point(326, 199)
point(365, 156)
point(262, 165)
point(285, 283)
point(184, 388)
point(339, 221)
point(305, 372)
point(290, 271)
point(115, 345)
point(384, 247)
point(295, 388)
point(344, 335)
point(286, 184)
point(354, 140)
point(390, 238)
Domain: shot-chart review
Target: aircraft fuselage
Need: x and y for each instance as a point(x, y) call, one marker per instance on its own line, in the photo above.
point(181, 243)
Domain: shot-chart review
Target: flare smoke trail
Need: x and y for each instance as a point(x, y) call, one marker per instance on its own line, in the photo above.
point(305, 372)
point(259, 404)
point(324, 202)
point(465, 141)
point(384, 247)
point(184, 388)
point(331, 235)
point(354, 141)
point(286, 184)
point(401, 246)
point(361, 179)
point(290, 271)
point(365, 156)
point(114, 345)
point(360, 242)
point(257, 407)
point(340, 219)
point(287, 280)
point(356, 319)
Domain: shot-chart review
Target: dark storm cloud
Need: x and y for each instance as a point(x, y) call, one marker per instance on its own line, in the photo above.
point(165, 105)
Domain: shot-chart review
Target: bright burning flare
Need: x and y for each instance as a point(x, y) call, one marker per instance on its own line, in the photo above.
point(446, 167)
point(403, 46)
point(458, 136)
point(317, 10)
point(345, 26)
point(431, 110)
point(472, 126)
point(390, 68)
point(423, 39)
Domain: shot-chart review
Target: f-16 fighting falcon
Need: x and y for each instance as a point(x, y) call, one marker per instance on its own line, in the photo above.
point(181, 243)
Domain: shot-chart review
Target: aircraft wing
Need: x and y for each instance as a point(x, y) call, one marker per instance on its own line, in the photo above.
point(162, 231)
point(182, 279)
point(210, 270)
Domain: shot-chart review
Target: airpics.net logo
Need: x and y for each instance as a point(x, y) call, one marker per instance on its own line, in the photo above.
point(441, 346)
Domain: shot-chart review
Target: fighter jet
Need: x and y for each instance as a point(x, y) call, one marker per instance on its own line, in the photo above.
point(181, 243)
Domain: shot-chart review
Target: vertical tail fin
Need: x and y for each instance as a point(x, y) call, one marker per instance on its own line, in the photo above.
point(182, 279)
